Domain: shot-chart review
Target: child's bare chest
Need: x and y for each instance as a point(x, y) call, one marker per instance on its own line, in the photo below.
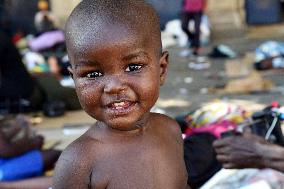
point(144, 165)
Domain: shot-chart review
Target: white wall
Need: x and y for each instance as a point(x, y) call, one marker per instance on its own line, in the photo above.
point(62, 9)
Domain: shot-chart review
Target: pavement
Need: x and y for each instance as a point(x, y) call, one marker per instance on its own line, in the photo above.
point(187, 89)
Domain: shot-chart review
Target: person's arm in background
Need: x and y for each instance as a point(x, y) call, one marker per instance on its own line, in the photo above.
point(19, 127)
point(249, 151)
point(8, 150)
point(205, 6)
point(33, 183)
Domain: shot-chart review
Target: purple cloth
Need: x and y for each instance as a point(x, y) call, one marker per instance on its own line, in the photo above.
point(47, 40)
point(193, 5)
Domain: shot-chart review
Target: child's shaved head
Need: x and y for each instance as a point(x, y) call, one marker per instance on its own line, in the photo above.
point(93, 21)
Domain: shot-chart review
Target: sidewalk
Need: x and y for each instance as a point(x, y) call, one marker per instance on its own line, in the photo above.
point(228, 29)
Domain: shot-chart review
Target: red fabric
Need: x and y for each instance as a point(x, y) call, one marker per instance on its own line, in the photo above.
point(17, 37)
point(215, 129)
point(194, 5)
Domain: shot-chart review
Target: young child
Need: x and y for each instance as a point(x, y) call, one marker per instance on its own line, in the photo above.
point(117, 65)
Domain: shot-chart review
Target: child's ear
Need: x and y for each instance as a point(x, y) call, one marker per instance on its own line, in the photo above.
point(70, 70)
point(164, 61)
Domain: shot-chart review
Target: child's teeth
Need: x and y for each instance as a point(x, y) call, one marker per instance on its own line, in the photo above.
point(119, 104)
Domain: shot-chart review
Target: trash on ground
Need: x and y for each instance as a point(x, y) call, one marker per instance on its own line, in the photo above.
point(237, 68)
point(204, 91)
point(188, 80)
point(215, 76)
point(250, 84)
point(198, 66)
point(183, 91)
point(222, 51)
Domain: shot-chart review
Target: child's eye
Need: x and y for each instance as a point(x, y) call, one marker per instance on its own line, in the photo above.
point(133, 67)
point(94, 74)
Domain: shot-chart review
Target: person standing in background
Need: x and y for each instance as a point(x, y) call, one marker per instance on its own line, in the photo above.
point(193, 10)
point(45, 20)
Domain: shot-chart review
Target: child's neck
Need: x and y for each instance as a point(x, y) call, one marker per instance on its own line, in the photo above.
point(139, 128)
point(134, 132)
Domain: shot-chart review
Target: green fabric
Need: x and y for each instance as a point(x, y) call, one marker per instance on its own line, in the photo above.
point(53, 91)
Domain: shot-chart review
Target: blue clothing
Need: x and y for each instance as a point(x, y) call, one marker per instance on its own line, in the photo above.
point(269, 49)
point(27, 165)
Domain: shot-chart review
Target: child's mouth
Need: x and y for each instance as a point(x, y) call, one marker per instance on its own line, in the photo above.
point(121, 107)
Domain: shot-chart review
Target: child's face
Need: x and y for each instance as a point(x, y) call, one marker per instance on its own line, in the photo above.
point(117, 77)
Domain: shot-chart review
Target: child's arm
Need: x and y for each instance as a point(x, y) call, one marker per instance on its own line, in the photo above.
point(172, 129)
point(74, 167)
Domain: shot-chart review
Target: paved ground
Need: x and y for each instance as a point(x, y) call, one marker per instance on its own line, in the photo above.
point(185, 89)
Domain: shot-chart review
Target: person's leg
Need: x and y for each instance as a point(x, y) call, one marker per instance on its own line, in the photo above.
point(33, 183)
point(196, 36)
point(185, 18)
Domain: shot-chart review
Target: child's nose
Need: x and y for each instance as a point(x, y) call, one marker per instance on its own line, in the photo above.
point(114, 85)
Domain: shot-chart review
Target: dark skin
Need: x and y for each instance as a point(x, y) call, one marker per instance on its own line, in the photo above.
point(34, 183)
point(249, 151)
point(146, 158)
point(117, 79)
point(10, 149)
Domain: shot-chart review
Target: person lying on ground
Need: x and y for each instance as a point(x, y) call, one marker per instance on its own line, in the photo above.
point(21, 154)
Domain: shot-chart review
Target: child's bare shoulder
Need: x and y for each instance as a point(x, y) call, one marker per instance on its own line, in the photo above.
point(76, 162)
point(166, 124)
point(166, 127)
